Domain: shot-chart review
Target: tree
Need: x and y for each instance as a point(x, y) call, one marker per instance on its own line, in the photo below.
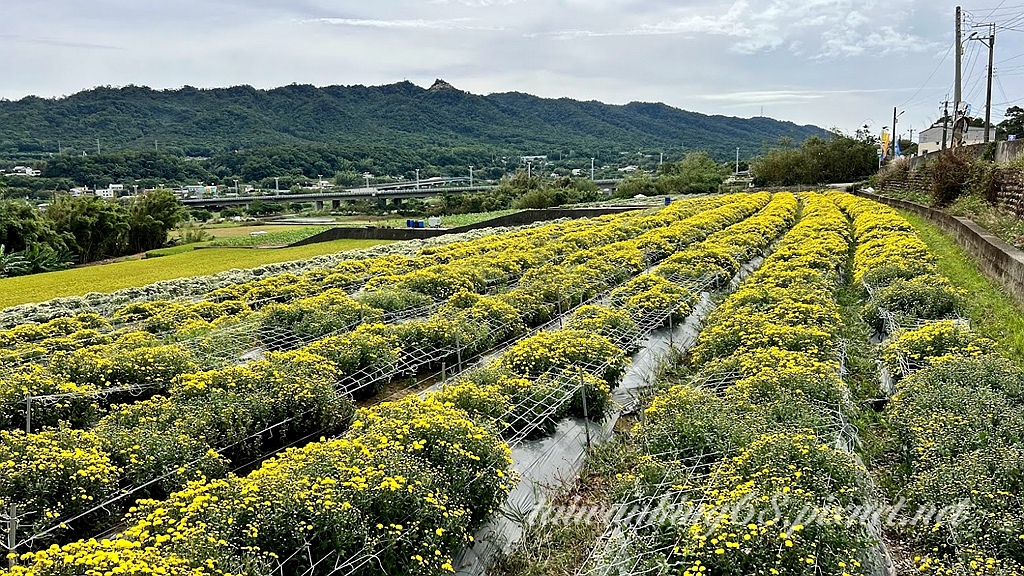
point(1014, 122)
point(840, 158)
point(92, 227)
point(635, 185)
point(696, 173)
point(21, 225)
point(151, 216)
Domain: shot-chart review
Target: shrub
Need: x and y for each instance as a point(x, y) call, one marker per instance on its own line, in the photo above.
point(320, 315)
point(928, 297)
point(650, 294)
point(393, 299)
point(608, 322)
point(124, 363)
point(695, 426)
point(773, 483)
point(951, 174)
point(552, 351)
point(57, 474)
point(79, 410)
point(915, 349)
point(895, 174)
point(367, 349)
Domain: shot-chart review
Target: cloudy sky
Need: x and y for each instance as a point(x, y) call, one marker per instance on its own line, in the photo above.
point(836, 63)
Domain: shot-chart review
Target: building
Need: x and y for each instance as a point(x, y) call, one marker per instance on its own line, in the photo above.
point(26, 171)
point(111, 192)
point(200, 191)
point(532, 159)
point(931, 139)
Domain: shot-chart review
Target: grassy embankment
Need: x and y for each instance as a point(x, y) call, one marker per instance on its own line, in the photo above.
point(111, 277)
point(992, 312)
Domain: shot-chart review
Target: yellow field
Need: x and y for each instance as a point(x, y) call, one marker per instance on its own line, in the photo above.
point(111, 277)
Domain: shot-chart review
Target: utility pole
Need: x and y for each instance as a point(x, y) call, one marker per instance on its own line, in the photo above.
point(958, 85)
point(945, 124)
point(895, 134)
point(471, 176)
point(97, 146)
point(662, 161)
point(988, 95)
point(737, 162)
point(529, 169)
point(591, 169)
point(958, 105)
point(156, 145)
point(417, 178)
point(277, 185)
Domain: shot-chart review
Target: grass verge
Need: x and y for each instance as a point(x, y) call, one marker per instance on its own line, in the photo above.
point(550, 549)
point(111, 277)
point(992, 312)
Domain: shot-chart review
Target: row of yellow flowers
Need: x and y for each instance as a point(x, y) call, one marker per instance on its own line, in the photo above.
point(955, 418)
point(107, 359)
point(209, 420)
point(163, 315)
point(408, 483)
point(749, 450)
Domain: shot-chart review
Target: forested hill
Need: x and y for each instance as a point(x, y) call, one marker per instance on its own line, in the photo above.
point(202, 122)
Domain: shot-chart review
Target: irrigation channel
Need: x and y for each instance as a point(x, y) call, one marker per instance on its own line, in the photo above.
point(546, 463)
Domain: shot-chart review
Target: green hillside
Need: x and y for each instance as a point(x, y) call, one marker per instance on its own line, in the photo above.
point(364, 121)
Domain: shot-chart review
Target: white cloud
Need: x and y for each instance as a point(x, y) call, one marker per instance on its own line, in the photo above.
point(803, 60)
point(454, 24)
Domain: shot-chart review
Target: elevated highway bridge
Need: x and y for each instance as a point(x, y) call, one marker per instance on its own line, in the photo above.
point(394, 192)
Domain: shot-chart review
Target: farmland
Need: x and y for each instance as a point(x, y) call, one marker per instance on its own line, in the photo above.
point(256, 423)
point(119, 275)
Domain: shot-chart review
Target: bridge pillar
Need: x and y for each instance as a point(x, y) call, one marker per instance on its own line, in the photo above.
point(335, 204)
point(382, 202)
point(319, 205)
point(397, 202)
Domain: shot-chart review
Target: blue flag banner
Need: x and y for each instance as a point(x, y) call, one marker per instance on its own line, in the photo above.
point(896, 146)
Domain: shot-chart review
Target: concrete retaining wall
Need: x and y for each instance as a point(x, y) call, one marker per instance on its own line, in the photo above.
point(518, 219)
point(998, 260)
point(1005, 152)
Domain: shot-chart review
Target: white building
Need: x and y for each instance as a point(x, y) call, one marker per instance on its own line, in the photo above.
point(532, 159)
point(111, 192)
point(931, 139)
point(26, 171)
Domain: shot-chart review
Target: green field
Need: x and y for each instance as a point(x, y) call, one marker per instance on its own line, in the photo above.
point(111, 277)
point(275, 236)
point(446, 221)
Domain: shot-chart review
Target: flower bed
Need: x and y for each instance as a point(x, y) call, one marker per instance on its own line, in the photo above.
point(955, 417)
point(405, 486)
point(763, 433)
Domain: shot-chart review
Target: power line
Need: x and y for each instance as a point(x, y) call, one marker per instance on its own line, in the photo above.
point(934, 72)
point(994, 10)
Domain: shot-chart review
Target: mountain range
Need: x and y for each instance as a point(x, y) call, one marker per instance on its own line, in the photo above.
point(202, 122)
